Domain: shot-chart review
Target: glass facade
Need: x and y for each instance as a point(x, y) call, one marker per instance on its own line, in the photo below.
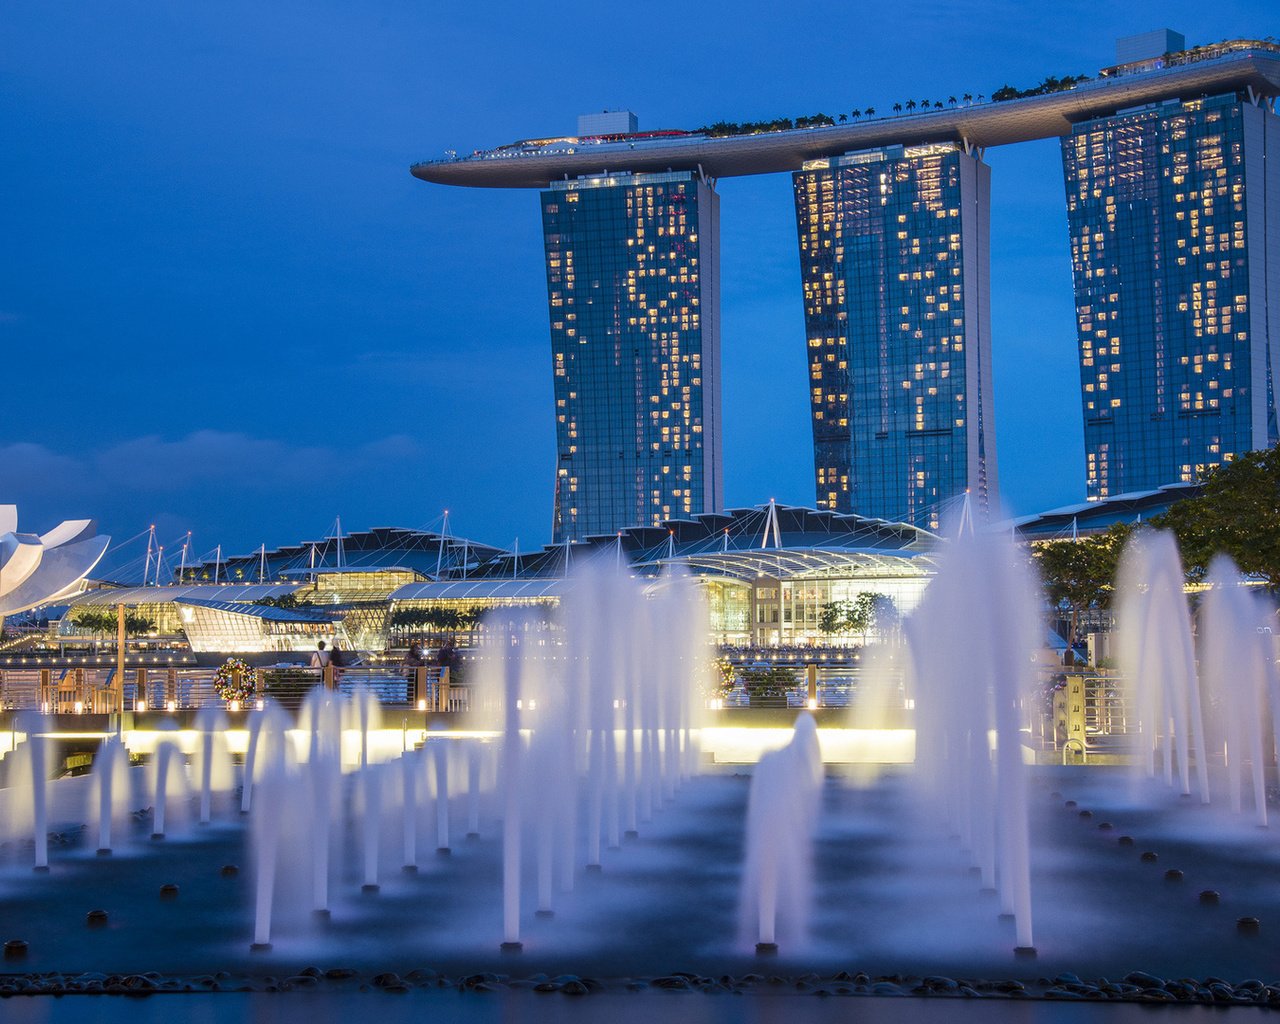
point(633, 292)
point(894, 258)
point(1176, 260)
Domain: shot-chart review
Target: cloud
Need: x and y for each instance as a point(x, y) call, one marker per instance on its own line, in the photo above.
point(206, 460)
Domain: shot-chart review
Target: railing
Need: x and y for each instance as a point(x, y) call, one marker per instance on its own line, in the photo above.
point(1090, 713)
point(93, 690)
point(835, 686)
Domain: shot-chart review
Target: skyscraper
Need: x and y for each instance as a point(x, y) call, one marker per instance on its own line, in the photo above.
point(894, 260)
point(1175, 251)
point(633, 280)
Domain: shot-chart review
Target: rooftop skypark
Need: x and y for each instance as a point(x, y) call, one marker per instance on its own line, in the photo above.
point(1251, 67)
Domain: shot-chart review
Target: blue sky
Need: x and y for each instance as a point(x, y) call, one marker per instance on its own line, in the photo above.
point(227, 307)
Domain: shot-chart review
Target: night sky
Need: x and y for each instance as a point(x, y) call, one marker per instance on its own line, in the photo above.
point(227, 307)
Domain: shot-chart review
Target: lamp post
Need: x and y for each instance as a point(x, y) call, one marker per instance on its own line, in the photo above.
point(120, 641)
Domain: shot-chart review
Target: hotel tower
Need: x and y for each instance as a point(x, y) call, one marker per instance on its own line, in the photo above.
point(633, 279)
point(1175, 252)
point(894, 261)
point(1172, 168)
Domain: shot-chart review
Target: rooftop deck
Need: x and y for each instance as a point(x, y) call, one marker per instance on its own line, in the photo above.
point(1241, 66)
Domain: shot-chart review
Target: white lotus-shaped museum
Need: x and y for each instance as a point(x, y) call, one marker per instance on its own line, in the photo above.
point(36, 570)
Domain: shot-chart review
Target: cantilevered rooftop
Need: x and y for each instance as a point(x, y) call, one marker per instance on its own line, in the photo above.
point(1246, 66)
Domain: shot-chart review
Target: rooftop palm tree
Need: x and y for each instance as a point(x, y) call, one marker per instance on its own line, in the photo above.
point(911, 105)
point(897, 108)
point(967, 97)
point(871, 111)
point(951, 101)
point(856, 113)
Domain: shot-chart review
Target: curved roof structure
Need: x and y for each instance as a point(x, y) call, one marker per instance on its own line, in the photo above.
point(40, 570)
point(737, 542)
point(489, 589)
point(239, 593)
point(381, 548)
point(1241, 65)
point(1097, 516)
point(805, 563)
point(264, 612)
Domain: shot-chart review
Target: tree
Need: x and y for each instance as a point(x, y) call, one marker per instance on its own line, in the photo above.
point(866, 612)
point(897, 108)
point(1237, 512)
point(967, 97)
point(1080, 574)
point(870, 111)
point(911, 105)
point(768, 681)
point(283, 601)
point(951, 101)
point(106, 620)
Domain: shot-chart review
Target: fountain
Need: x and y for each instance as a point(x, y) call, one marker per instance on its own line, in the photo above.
point(782, 813)
point(110, 772)
point(167, 775)
point(1240, 681)
point(615, 857)
point(213, 760)
point(969, 643)
point(1157, 657)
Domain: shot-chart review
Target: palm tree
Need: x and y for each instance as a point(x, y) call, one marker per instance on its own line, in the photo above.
point(911, 105)
point(967, 97)
point(897, 108)
point(937, 104)
point(843, 118)
point(856, 113)
point(951, 101)
point(871, 111)
point(981, 97)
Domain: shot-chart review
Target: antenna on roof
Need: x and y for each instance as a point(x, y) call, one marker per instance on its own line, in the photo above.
point(217, 563)
point(515, 561)
point(146, 566)
point(338, 529)
point(444, 532)
point(771, 525)
point(262, 564)
point(182, 569)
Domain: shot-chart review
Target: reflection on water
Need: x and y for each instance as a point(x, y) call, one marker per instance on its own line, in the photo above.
point(528, 1008)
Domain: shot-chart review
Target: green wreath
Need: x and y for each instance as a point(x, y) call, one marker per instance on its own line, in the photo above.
point(235, 680)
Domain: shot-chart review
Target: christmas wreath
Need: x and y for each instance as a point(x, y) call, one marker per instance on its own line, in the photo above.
point(235, 680)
